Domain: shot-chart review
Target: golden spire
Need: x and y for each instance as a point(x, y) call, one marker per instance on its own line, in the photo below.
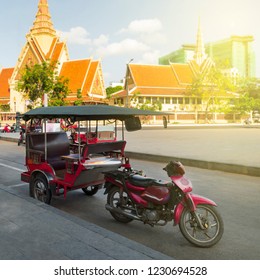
point(200, 54)
point(43, 23)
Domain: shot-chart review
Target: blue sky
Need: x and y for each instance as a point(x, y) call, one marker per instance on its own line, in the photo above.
point(116, 31)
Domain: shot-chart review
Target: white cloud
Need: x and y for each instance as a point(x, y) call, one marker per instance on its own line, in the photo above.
point(148, 31)
point(77, 35)
point(150, 57)
point(140, 40)
point(101, 40)
point(126, 46)
point(143, 26)
point(80, 36)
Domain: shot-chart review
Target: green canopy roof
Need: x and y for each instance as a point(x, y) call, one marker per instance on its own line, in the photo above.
point(88, 112)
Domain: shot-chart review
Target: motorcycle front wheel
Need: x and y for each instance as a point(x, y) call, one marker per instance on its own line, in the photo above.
point(116, 199)
point(213, 226)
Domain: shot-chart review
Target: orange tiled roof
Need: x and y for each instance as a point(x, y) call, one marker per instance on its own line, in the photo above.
point(57, 51)
point(76, 72)
point(5, 75)
point(36, 49)
point(52, 47)
point(121, 93)
point(183, 72)
point(153, 75)
point(90, 77)
point(156, 80)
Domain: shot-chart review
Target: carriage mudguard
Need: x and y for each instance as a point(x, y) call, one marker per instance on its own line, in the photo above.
point(192, 200)
point(49, 178)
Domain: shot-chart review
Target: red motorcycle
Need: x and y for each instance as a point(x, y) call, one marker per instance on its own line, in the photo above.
point(6, 128)
point(131, 196)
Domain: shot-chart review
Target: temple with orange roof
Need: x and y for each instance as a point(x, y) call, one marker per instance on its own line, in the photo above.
point(43, 44)
point(168, 85)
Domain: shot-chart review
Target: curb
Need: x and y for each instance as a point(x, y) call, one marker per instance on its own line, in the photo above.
point(10, 139)
point(220, 166)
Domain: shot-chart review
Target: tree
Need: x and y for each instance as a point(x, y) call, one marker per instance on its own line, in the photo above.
point(79, 100)
point(242, 105)
point(5, 108)
point(111, 90)
point(211, 87)
point(249, 89)
point(249, 97)
point(152, 106)
point(41, 79)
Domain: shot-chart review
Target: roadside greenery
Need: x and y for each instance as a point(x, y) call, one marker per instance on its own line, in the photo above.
point(5, 108)
point(79, 100)
point(110, 90)
point(222, 93)
point(249, 91)
point(213, 88)
point(39, 79)
point(152, 106)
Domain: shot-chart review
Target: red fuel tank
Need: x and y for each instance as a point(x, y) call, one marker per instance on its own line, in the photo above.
point(157, 195)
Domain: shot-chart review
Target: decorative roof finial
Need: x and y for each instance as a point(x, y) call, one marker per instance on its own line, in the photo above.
point(43, 23)
point(199, 55)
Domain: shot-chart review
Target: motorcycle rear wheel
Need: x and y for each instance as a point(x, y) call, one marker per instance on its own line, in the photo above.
point(210, 219)
point(114, 200)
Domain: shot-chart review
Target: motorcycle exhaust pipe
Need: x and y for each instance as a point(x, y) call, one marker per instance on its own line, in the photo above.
point(121, 212)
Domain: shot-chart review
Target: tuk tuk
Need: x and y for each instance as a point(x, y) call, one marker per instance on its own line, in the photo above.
point(53, 166)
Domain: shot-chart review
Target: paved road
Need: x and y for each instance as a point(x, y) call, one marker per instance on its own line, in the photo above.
point(238, 199)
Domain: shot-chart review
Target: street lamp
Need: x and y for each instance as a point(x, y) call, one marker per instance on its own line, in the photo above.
point(45, 100)
point(126, 84)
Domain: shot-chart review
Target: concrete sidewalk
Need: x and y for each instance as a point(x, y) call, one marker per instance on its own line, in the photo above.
point(32, 230)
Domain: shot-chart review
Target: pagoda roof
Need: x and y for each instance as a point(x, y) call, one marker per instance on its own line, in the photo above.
point(43, 23)
point(183, 73)
point(80, 73)
point(5, 75)
point(158, 80)
point(153, 75)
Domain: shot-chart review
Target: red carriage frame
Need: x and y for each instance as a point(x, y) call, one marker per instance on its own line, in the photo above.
point(53, 167)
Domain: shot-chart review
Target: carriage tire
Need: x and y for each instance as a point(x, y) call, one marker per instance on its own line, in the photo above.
point(40, 190)
point(90, 190)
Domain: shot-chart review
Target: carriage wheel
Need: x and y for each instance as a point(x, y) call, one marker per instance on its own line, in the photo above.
point(40, 189)
point(90, 190)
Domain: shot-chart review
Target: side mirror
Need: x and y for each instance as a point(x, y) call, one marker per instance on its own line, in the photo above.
point(133, 124)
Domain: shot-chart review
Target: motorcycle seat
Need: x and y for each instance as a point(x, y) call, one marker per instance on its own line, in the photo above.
point(142, 181)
